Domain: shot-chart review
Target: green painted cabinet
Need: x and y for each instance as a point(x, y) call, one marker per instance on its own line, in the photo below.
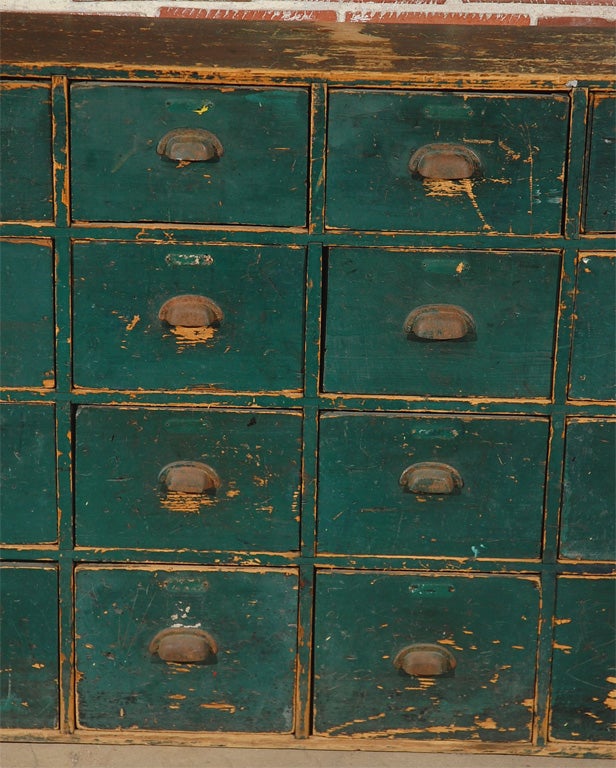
point(600, 179)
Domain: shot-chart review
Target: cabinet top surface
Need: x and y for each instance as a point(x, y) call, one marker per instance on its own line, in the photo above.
point(392, 53)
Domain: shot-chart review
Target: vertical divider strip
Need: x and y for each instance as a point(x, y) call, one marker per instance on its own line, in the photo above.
point(59, 114)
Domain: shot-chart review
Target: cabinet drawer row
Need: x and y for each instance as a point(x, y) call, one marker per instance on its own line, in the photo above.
point(231, 480)
point(424, 323)
point(396, 655)
point(396, 160)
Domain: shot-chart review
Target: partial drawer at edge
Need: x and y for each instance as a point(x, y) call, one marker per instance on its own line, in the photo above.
point(29, 648)
point(441, 323)
point(139, 154)
point(593, 353)
point(583, 700)
point(187, 478)
point(588, 526)
point(425, 657)
point(600, 215)
point(28, 474)
point(25, 148)
point(423, 485)
point(175, 317)
point(446, 162)
point(163, 648)
point(27, 329)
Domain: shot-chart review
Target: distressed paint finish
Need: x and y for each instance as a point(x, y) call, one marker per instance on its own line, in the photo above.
point(364, 619)
point(121, 501)
point(29, 696)
point(589, 491)
point(497, 512)
point(27, 474)
point(511, 297)
point(584, 672)
point(519, 142)
point(26, 316)
point(601, 179)
point(246, 686)
point(120, 342)
point(117, 174)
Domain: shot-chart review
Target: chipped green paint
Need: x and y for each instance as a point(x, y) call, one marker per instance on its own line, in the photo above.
point(601, 181)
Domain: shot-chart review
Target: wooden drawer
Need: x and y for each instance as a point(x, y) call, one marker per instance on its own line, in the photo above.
point(25, 148)
point(589, 491)
point(28, 474)
point(138, 154)
point(29, 649)
point(446, 162)
point(369, 623)
point(583, 668)
point(440, 323)
point(420, 485)
point(27, 330)
point(239, 329)
point(186, 478)
point(600, 212)
point(238, 677)
point(593, 354)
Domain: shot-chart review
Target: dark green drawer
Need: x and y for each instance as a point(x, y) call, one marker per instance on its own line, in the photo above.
point(25, 148)
point(187, 316)
point(118, 173)
point(187, 478)
point(26, 316)
point(238, 676)
point(589, 491)
point(474, 680)
point(29, 648)
point(601, 172)
point(422, 485)
point(593, 355)
point(440, 323)
point(583, 701)
point(446, 162)
point(28, 474)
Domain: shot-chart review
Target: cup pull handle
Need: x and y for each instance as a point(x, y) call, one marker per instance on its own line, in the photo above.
point(183, 645)
point(190, 145)
point(444, 161)
point(191, 311)
point(440, 322)
point(431, 477)
point(189, 477)
point(425, 660)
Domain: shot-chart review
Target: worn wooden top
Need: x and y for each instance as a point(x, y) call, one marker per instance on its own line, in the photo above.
point(396, 53)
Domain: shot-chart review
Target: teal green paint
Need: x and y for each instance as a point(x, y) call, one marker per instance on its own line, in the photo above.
point(601, 190)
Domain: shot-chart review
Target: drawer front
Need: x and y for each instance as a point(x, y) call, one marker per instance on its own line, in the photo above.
point(446, 162)
point(28, 474)
point(138, 154)
point(589, 491)
point(475, 680)
point(444, 324)
point(583, 669)
point(593, 356)
point(240, 329)
point(25, 148)
point(418, 485)
point(29, 649)
point(237, 674)
point(186, 478)
point(601, 173)
point(26, 316)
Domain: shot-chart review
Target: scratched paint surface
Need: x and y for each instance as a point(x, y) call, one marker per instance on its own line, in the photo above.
point(498, 512)
point(511, 297)
point(488, 623)
point(247, 686)
point(119, 341)
point(29, 648)
point(584, 668)
point(601, 181)
point(520, 141)
point(120, 500)
point(118, 176)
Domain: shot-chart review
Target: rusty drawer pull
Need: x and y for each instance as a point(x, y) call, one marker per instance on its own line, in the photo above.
point(425, 660)
point(431, 477)
point(440, 322)
point(190, 311)
point(189, 477)
point(184, 645)
point(190, 145)
point(444, 161)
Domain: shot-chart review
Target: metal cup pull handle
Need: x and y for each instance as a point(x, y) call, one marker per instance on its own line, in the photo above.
point(191, 311)
point(183, 645)
point(189, 477)
point(431, 477)
point(190, 145)
point(444, 161)
point(440, 322)
point(425, 660)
